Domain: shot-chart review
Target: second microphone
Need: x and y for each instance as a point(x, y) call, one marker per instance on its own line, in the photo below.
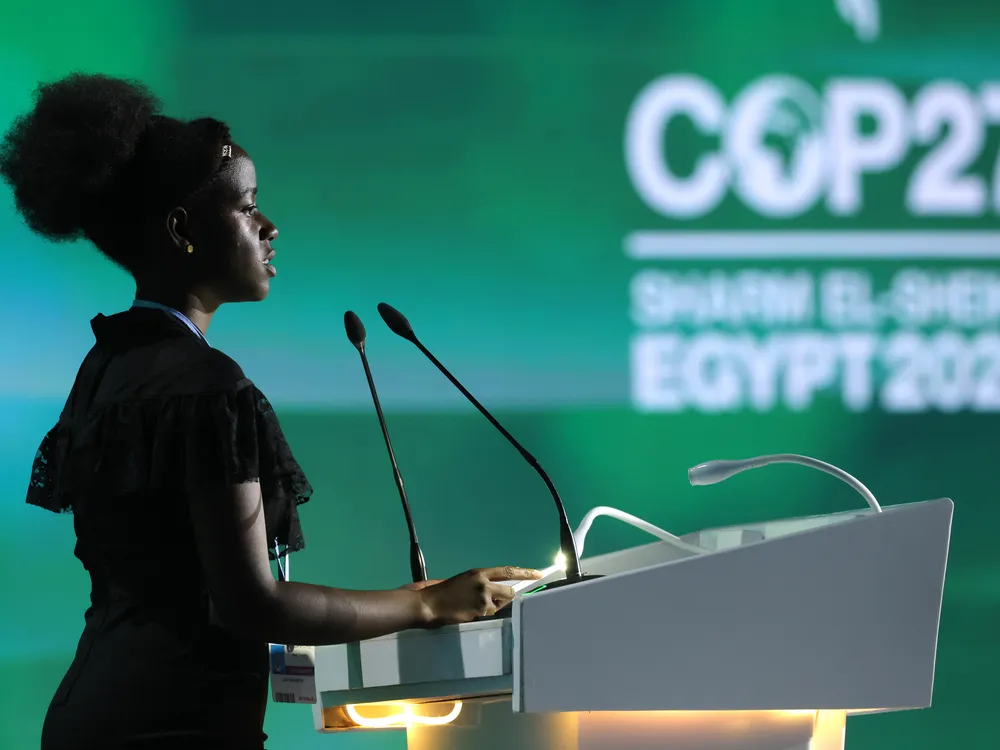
point(356, 334)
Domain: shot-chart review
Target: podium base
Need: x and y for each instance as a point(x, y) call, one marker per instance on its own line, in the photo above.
point(489, 724)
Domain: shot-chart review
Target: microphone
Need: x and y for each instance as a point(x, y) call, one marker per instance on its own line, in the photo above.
point(399, 325)
point(356, 333)
point(713, 472)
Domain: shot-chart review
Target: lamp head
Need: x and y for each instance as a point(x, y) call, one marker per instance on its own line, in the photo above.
point(713, 472)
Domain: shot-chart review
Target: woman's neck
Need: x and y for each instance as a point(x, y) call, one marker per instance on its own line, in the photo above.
point(190, 305)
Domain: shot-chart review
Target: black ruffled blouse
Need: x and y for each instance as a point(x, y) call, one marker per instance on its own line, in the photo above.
point(154, 415)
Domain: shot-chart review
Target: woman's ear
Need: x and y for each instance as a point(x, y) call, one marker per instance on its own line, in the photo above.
point(177, 228)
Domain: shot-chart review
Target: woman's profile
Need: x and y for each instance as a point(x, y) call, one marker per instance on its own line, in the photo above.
point(172, 462)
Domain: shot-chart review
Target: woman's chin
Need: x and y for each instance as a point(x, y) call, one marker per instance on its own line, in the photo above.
point(249, 288)
point(261, 291)
point(255, 292)
point(260, 286)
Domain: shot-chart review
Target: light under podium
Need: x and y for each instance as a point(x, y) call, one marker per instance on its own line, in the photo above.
point(489, 723)
point(768, 639)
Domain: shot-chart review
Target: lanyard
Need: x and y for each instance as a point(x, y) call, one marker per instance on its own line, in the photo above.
point(176, 313)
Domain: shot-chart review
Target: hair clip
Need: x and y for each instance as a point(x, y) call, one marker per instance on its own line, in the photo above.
point(227, 151)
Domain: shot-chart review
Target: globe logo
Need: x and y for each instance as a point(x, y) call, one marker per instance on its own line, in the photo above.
point(775, 145)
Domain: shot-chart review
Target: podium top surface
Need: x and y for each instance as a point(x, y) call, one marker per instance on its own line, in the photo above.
point(824, 613)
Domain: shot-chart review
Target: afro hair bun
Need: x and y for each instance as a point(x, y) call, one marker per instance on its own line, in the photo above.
point(62, 157)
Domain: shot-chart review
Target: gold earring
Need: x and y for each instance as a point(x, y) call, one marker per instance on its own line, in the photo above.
point(190, 249)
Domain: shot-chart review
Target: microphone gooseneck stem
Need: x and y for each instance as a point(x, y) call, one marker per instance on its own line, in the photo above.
point(566, 541)
point(418, 568)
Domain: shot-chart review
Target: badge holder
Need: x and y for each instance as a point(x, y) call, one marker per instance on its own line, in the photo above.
point(293, 668)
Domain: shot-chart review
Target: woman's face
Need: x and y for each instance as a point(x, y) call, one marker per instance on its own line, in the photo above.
point(231, 237)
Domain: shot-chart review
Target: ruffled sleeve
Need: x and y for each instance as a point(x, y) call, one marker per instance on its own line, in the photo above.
point(42, 490)
point(179, 444)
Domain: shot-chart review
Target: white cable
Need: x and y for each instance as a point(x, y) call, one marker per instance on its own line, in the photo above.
point(580, 537)
point(713, 472)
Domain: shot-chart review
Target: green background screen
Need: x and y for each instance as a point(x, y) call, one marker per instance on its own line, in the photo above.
point(647, 234)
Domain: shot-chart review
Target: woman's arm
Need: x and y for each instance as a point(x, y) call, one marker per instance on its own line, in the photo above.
point(232, 545)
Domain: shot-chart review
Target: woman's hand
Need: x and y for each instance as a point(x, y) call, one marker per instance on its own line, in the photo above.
point(472, 594)
point(418, 585)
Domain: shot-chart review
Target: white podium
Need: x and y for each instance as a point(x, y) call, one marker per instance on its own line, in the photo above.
point(768, 639)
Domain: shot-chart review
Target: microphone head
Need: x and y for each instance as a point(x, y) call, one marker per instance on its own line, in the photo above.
point(396, 321)
point(355, 329)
